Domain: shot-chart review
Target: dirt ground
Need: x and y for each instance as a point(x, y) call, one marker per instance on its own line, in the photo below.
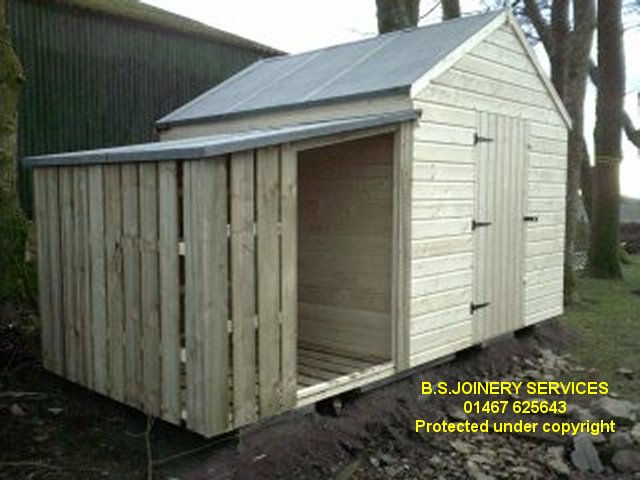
point(52, 429)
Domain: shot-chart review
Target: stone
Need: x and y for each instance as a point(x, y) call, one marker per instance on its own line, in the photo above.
point(621, 440)
point(584, 455)
point(375, 463)
point(532, 374)
point(548, 360)
point(625, 372)
point(581, 414)
point(387, 459)
point(347, 471)
point(392, 471)
point(635, 433)
point(475, 472)
point(16, 410)
point(456, 413)
point(577, 412)
point(621, 411)
point(626, 461)
point(554, 459)
point(41, 437)
point(480, 459)
point(521, 471)
point(462, 447)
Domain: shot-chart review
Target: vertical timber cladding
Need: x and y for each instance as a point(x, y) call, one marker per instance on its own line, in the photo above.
point(110, 293)
point(239, 234)
point(111, 281)
point(499, 226)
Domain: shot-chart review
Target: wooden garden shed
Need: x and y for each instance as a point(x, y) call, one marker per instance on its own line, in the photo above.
point(315, 223)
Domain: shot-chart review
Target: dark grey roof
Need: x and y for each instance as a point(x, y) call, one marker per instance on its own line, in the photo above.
point(203, 147)
point(372, 67)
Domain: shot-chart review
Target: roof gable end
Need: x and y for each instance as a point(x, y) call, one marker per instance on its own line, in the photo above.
point(506, 18)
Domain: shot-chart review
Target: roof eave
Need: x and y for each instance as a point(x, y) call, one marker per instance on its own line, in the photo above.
point(210, 146)
point(163, 124)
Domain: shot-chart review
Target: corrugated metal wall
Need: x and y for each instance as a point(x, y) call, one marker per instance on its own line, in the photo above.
point(95, 81)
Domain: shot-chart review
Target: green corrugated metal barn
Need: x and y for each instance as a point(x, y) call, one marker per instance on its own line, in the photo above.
point(101, 72)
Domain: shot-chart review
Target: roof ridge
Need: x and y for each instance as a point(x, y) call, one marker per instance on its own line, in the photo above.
point(387, 34)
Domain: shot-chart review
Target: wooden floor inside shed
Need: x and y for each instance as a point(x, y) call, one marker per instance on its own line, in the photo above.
point(322, 374)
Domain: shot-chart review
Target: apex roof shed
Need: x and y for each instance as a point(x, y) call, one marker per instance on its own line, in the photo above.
point(315, 223)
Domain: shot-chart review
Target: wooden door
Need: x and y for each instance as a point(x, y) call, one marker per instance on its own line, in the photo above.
point(499, 226)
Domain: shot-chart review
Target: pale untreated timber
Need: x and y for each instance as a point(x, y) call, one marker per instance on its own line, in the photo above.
point(55, 269)
point(268, 285)
point(214, 295)
point(131, 272)
point(82, 285)
point(289, 248)
point(401, 245)
point(193, 273)
point(67, 243)
point(114, 270)
point(243, 288)
point(150, 300)
point(97, 275)
point(169, 290)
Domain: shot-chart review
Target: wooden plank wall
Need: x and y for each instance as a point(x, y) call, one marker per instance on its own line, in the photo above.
point(495, 77)
point(110, 240)
point(344, 263)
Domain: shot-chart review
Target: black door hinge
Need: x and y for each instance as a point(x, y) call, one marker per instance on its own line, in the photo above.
point(479, 139)
point(475, 224)
point(477, 306)
point(530, 218)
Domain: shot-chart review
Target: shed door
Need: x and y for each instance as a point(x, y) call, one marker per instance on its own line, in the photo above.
point(499, 226)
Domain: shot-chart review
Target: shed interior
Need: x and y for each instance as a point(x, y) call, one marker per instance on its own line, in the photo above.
point(345, 200)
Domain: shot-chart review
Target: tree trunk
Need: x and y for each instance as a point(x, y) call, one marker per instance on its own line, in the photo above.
point(604, 259)
point(13, 224)
point(559, 45)
point(450, 9)
point(575, 75)
point(569, 55)
point(397, 14)
point(586, 183)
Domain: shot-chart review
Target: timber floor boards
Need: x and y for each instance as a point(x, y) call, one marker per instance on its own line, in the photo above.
point(316, 366)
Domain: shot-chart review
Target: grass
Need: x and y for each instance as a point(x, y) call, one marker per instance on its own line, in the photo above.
point(607, 327)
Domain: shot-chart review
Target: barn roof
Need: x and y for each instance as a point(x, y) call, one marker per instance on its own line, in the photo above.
point(137, 11)
point(219, 144)
point(373, 67)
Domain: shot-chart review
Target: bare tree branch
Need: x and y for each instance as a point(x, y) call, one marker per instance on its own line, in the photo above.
point(631, 132)
point(532, 10)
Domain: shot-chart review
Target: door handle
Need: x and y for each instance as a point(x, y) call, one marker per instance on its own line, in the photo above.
point(475, 224)
point(530, 218)
point(477, 306)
